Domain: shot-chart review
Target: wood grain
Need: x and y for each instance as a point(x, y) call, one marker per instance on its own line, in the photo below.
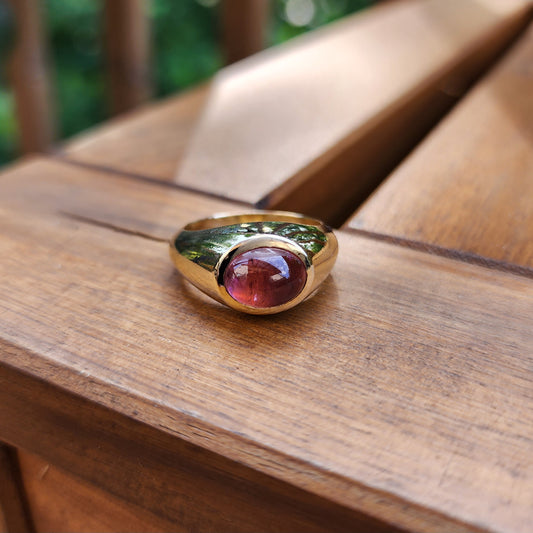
point(347, 102)
point(401, 392)
point(469, 186)
point(127, 37)
point(318, 123)
point(148, 142)
point(14, 511)
point(62, 502)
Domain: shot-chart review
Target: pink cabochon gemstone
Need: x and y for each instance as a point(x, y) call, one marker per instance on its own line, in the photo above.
point(265, 277)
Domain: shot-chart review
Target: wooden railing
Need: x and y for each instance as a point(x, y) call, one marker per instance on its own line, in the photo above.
point(30, 79)
point(128, 52)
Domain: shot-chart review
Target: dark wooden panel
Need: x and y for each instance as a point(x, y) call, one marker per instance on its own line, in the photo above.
point(62, 502)
point(14, 512)
point(3, 525)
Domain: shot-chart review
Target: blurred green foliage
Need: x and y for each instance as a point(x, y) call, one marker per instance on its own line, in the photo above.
point(185, 52)
point(324, 11)
point(76, 57)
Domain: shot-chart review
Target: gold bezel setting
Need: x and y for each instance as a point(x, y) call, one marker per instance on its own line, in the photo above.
point(202, 250)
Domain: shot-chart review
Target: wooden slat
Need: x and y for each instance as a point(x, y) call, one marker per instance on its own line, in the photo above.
point(14, 513)
point(469, 187)
point(149, 142)
point(346, 102)
point(62, 502)
point(128, 53)
point(30, 80)
point(402, 391)
point(244, 24)
point(314, 126)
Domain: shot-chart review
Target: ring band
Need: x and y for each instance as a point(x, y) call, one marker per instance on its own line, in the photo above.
point(262, 262)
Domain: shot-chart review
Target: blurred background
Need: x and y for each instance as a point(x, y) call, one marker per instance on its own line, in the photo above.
point(186, 42)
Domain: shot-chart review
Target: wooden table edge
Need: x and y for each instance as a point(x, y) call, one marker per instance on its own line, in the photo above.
point(348, 493)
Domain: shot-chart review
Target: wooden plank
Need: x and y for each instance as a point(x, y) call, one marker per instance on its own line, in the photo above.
point(244, 25)
point(346, 102)
point(404, 395)
point(62, 502)
point(30, 81)
point(128, 53)
point(315, 125)
point(14, 512)
point(149, 142)
point(469, 187)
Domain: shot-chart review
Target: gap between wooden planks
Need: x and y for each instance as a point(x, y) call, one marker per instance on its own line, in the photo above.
point(469, 185)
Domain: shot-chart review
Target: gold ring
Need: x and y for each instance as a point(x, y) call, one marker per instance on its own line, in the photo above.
point(261, 263)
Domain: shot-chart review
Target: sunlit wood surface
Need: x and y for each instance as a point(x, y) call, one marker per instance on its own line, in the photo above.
point(397, 398)
point(347, 102)
point(469, 187)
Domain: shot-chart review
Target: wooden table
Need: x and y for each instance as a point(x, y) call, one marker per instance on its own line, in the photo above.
point(398, 398)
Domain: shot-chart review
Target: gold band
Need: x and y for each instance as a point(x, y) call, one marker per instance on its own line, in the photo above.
point(203, 251)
